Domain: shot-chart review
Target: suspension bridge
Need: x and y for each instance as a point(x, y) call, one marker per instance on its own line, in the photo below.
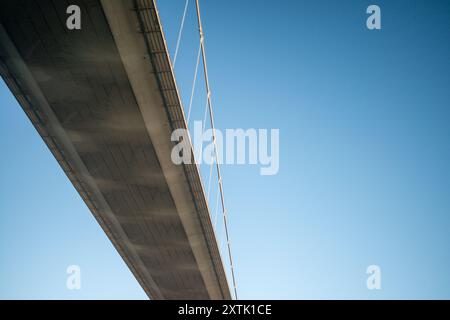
point(105, 101)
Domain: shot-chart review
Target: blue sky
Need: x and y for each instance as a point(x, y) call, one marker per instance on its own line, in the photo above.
point(364, 152)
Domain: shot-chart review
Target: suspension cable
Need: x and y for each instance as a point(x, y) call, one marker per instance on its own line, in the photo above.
point(216, 211)
point(193, 82)
point(209, 180)
point(219, 176)
point(180, 33)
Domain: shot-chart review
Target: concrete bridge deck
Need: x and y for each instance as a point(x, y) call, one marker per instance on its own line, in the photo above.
point(104, 100)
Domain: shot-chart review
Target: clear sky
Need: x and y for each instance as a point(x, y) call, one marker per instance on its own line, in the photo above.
point(364, 157)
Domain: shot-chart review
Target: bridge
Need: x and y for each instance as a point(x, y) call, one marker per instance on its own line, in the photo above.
point(105, 101)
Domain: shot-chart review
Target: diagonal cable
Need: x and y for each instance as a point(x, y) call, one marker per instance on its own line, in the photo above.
point(180, 33)
point(219, 176)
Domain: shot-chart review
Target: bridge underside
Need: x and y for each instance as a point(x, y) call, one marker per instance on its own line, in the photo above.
point(97, 97)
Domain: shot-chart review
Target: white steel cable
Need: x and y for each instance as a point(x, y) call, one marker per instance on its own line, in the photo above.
point(204, 116)
point(219, 176)
point(193, 82)
point(180, 32)
point(216, 211)
point(210, 176)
